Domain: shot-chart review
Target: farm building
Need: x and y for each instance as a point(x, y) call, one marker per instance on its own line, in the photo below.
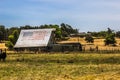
point(67, 46)
point(35, 39)
point(42, 40)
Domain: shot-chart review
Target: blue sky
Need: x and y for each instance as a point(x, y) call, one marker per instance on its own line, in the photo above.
point(85, 15)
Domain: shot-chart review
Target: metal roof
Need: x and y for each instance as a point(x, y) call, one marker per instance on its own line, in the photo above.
point(34, 38)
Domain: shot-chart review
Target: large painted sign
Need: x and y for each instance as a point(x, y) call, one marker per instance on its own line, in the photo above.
point(34, 38)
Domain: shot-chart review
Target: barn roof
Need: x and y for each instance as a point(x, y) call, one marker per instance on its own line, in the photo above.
point(34, 38)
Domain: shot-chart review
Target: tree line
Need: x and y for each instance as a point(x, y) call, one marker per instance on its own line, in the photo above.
point(11, 34)
point(108, 35)
point(62, 31)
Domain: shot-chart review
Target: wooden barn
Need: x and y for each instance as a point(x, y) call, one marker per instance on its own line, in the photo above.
point(35, 40)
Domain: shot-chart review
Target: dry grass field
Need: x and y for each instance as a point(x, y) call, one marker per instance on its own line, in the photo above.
point(2, 46)
point(58, 66)
point(97, 42)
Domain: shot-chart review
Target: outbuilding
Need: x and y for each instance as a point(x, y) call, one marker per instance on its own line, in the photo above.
point(35, 40)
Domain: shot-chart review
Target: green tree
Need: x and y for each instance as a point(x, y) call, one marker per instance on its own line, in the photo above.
point(99, 34)
point(89, 39)
point(15, 35)
point(57, 31)
point(118, 34)
point(95, 34)
point(10, 45)
point(102, 34)
point(12, 29)
point(26, 27)
point(2, 32)
point(66, 30)
point(110, 38)
point(12, 39)
point(109, 31)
